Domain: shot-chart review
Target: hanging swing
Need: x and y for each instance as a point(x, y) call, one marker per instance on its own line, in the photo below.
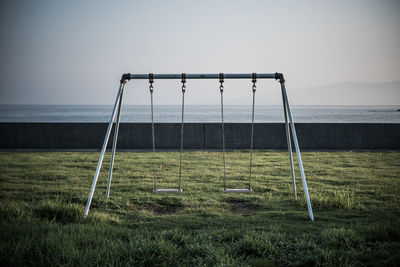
point(169, 190)
point(221, 89)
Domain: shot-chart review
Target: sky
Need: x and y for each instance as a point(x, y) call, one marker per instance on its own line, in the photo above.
point(74, 52)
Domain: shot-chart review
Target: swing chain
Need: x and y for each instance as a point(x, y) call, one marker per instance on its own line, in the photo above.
point(221, 81)
point(254, 80)
point(183, 82)
point(221, 90)
point(183, 110)
point(151, 81)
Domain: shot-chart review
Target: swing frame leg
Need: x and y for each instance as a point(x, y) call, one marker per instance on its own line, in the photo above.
point(296, 145)
point(103, 149)
point(114, 147)
point(289, 144)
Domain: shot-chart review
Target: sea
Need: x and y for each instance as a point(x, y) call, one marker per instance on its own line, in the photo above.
point(199, 113)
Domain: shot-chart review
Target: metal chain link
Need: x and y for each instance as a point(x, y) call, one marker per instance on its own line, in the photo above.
point(254, 80)
point(183, 109)
point(221, 90)
point(151, 81)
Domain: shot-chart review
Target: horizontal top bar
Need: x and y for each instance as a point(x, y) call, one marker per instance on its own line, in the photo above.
point(205, 76)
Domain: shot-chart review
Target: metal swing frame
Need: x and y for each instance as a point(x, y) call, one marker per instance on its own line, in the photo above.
point(116, 114)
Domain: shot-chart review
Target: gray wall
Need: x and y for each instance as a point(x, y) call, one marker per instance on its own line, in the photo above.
point(199, 135)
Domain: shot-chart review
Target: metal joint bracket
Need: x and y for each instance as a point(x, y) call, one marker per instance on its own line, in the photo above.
point(279, 76)
point(125, 77)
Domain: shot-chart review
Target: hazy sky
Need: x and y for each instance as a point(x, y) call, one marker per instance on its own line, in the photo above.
point(74, 52)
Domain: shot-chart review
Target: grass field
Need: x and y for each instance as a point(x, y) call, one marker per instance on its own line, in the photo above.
point(355, 197)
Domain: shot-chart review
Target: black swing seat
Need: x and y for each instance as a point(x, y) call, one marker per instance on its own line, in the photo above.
point(168, 191)
point(236, 190)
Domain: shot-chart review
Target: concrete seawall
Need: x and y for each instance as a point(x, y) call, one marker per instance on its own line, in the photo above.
point(199, 135)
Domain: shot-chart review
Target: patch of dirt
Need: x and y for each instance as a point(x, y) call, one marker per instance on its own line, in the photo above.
point(165, 210)
point(242, 207)
point(166, 206)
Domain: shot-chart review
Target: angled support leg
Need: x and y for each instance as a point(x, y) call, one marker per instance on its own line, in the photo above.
point(289, 144)
point(114, 146)
point(296, 145)
point(103, 150)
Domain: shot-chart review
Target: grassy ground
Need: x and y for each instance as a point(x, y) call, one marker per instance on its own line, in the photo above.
point(355, 197)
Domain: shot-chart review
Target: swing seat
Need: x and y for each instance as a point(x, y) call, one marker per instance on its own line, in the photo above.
point(167, 191)
point(236, 190)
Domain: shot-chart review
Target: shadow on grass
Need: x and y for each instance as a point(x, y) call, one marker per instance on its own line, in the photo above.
point(165, 206)
point(242, 206)
point(59, 212)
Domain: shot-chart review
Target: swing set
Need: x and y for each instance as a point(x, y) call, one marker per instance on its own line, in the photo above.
point(116, 114)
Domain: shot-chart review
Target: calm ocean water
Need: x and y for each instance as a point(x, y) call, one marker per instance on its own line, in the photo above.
point(65, 113)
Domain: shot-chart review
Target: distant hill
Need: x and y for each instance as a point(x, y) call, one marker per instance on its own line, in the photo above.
point(349, 93)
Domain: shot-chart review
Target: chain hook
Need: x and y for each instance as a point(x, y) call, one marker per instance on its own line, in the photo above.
point(221, 81)
point(254, 80)
point(151, 81)
point(183, 83)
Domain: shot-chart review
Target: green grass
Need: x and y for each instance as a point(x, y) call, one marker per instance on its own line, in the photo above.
point(355, 197)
